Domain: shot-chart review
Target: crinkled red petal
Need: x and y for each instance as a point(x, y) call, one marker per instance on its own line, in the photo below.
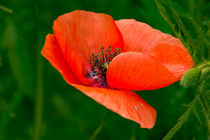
point(162, 47)
point(81, 33)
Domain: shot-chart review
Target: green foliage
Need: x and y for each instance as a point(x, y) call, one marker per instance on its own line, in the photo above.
point(5, 9)
point(181, 119)
point(197, 77)
point(36, 103)
point(99, 128)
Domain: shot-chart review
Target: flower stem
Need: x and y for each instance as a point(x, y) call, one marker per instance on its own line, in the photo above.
point(99, 128)
point(38, 102)
point(39, 82)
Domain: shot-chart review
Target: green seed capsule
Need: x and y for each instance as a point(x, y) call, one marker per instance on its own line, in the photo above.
point(191, 77)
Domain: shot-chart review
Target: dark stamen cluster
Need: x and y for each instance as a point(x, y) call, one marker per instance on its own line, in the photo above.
point(100, 61)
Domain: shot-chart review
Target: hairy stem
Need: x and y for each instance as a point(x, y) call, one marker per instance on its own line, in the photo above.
point(182, 119)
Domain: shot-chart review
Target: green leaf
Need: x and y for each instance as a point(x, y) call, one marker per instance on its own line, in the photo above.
point(182, 119)
point(196, 114)
point(166, 18)
point(205, 114)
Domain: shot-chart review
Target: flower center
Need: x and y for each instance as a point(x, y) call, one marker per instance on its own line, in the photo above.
point(99, 63)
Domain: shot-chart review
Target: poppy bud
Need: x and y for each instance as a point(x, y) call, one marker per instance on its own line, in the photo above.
point(206, 77)
point(191, 77)
point(206, 72)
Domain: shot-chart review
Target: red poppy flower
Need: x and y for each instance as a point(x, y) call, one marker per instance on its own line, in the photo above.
point(107, 59)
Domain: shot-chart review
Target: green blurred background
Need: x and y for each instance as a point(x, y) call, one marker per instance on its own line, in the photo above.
point(30, 87)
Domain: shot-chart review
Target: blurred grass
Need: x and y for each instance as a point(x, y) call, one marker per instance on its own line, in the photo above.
point(3, 8)
point(65, 112)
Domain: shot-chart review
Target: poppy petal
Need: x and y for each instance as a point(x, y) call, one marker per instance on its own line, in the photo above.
point(137, 71)
point(81, 33)
point(164, 48)
point(53, 54)
point(174, 58)
point(126, 103)
point(143, 38)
